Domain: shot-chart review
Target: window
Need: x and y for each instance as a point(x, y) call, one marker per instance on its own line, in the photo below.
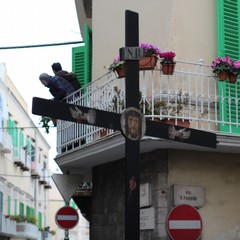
point(228, 26)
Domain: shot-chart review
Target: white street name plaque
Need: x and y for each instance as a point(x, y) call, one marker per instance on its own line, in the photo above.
point(147, 218)
point(188, 194)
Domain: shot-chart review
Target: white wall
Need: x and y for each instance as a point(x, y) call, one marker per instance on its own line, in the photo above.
point(186, 27)
point(219, 174)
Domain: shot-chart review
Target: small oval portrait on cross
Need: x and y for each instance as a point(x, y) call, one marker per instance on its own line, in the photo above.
point(133, 124)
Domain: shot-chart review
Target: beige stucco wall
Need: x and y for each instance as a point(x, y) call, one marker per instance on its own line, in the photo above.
point(219, 174)
point(186, 27)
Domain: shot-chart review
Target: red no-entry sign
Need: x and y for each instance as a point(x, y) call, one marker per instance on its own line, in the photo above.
point(184, 223)
point(66, 217)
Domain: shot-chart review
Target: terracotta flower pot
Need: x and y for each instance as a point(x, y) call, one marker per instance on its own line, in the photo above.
point(222, 76)
point(232, 78)
point(168, 68)
point(120, 71)
point(148, 63)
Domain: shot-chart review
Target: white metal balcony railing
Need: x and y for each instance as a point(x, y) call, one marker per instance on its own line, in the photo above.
point(193, 85)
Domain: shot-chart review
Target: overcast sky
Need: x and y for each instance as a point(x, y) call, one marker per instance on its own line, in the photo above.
point(32, 22)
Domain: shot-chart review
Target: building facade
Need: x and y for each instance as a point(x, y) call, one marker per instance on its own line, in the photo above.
point(171, 173)
point(24, 173)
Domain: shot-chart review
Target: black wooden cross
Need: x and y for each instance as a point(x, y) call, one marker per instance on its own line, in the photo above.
point(84, 115)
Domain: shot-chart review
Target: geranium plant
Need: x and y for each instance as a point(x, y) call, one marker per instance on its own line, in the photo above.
point(221, 64)
point(116, 63)
point(235, 67)
point(149, 50)
point(167, 57)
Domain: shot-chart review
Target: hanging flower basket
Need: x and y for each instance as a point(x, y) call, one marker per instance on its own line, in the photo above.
point(222, 76)
point(168, 68)
point(232, 78)
point(148, 63)
point(168, 62)
point(120, 72)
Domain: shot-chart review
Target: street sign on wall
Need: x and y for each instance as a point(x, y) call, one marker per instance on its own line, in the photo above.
point(66, 217)
point(184, 223)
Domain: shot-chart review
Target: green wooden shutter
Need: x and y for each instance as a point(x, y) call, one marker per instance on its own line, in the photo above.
point(228, 20)
point(29, 211)
point(78, 54)
point(21, 139)
point(39, 220)
point(9, 205)
point(82, 58)
point(88, 51)
point(15, 207)
point(21, 209)
point(13, 131)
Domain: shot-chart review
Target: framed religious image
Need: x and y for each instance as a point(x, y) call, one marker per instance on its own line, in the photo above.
point(133, 124)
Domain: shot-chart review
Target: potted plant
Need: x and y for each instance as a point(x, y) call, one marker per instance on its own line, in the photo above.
point(167, 62)
point(221, 67)
point(176, 105)
point(234, 71)
point(152, 53)
point(118, 66)
point(147, 63)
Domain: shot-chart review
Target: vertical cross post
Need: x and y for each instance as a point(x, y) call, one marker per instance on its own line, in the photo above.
point(132, 148)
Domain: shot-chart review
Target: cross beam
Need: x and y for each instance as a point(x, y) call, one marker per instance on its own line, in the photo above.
point(105, 119)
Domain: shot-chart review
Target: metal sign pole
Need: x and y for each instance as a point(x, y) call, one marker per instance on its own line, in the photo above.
point(66, 234)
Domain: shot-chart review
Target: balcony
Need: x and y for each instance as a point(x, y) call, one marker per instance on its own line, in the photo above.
point(36, 170)
point(201, 94)
point(22, 158)
point(27, 230)
point(7, 226)
point(6, 145)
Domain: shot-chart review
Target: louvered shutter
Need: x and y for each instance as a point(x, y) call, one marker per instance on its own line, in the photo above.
point(21, 209)
point(9, 205)
point(88, 55)
point(82, 58)
point(228, 19)
point(39, 220)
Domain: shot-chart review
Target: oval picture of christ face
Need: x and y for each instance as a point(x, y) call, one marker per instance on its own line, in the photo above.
point(133, 124)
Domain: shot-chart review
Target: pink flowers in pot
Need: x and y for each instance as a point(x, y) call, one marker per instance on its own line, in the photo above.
point(221, 64)
point(167, 57)
point(235, 67)
point(150, 49)
point(225, 68)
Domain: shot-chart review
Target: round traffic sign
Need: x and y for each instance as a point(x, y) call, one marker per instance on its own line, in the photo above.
point(66, 217)
point(184, 223)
